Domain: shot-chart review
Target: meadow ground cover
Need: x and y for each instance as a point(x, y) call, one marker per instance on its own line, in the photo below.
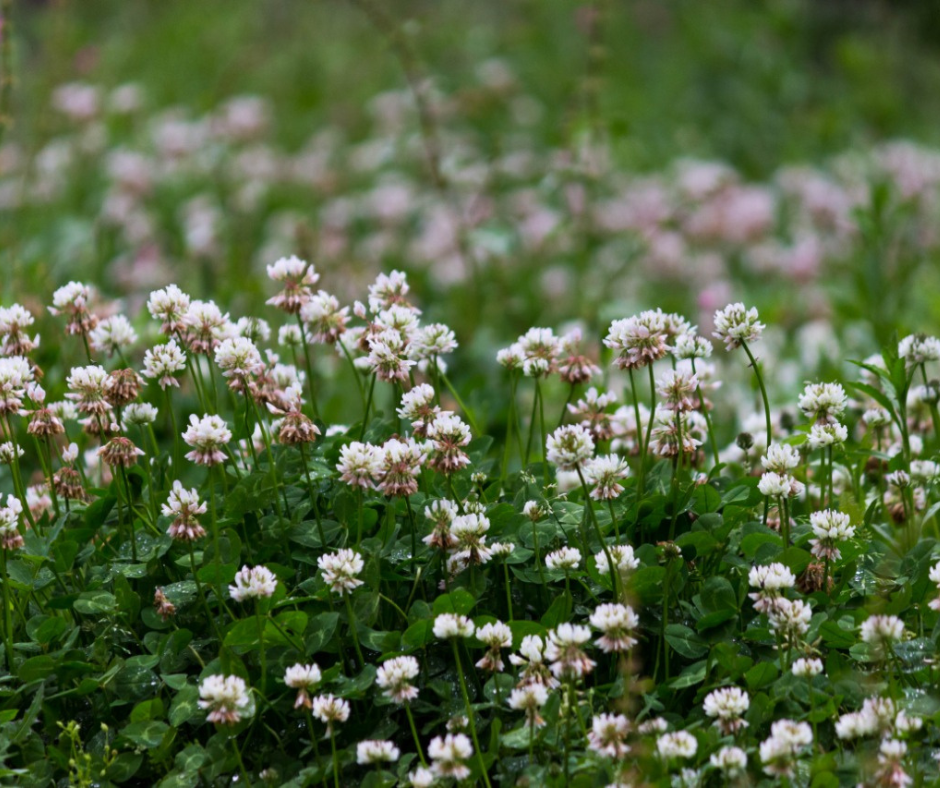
point(603, 596)
point(268, 521)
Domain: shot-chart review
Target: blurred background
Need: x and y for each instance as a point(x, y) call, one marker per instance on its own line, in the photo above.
point(527, 162)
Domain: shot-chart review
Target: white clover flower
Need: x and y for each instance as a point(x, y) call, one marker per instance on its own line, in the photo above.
point(449, 434)
point(935, 578)
point(531, 658)
point(606, 473)
point(533, 511)
point(502, 549)
point(401, 461)
point(791, 618)
point(823, 402)
point(567, 558)
point(442, 514)
point(618, 623)
point(564, 650)
point(388, 356)
point(297, 277)
point(376, 751)
point(882, 631)
point(622, 556)
point(323, 318)
point(360, 464)
point(511, 357)
point(730, 760)
point(638, 340)
point(329, 710)
point(780, 750)
point(291, 335)
point(540, 349)
point(678, 389)
point(823, 435)
point(226, 697)
point(807, 668)
point(448, 754)
point(169, 305)
point(727, 706)
point(779, 485)
point(10, 452)
point(341, 570)
point(608, 735)
point(206, 326)
point(904, 724)
point(422, 777)
point(919, 348)
point(86, 387)
point(689, 345)
point(388, 289)
point(139, 413)
point(467, 540)
point(830, 528)
point(14, 320)
point(876, 417)
point(72, 300)
point(112, 335)
point(238, 357)
point(70, 454)
point(256, 582)
point(654, 725)
point(570, 447)
point(736, 324)
point(395, 677)
point(10, 536)
point(780, 458)
point(418, 406)
point(495, 636)
point(207, 436)
point(925, 471)
point(163, 362)
point(451, 625)
point(529, 698)
point(770, 580)
point(679, 744)
point(877, 715)
point(434, 339)
point(304, 679)
point(254, 328)
point(184, 507)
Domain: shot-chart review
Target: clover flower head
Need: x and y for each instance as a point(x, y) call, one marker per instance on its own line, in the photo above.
point(226, 698)
point(255, 582)
point(736, 324)
point(341, 570)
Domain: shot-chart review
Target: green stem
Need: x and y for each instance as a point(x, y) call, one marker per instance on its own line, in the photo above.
point(508, 590)
point(365, 417)
point(241, 763)
point(352, 630)
point(261, 650)
point(474, 426)
point(201, 591)
point(473, 726)
point(7, 617)
point(355, 372)
point(708, 418)
point(335, 756)
point(541, 398)
point(130, 512)
point(763, 391)
point(303, 338)
point(414, 733)
point(597, 530)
